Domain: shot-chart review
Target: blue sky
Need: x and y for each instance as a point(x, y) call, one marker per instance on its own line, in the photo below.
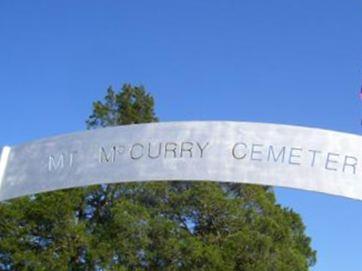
point(294, 62)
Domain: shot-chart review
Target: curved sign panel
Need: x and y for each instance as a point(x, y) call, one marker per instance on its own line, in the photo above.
point(267, 154)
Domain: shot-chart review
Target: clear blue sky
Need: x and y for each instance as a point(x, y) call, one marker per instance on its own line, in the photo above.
point(295, 62)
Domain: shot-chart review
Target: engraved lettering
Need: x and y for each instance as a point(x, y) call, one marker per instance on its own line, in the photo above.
point(61, 161)
point(137, 151)
point(255, 152)
point(293, 155)
point(170, 147)
point(330, 161)
point(150, 151)
point(186, 147)
point(314, 152)
point(238, 155)
point(271, 153)
point(202, 148)
point(55, 164)
point(111, 156)
point(351, 162)
point(72, 158)
point(105, 157)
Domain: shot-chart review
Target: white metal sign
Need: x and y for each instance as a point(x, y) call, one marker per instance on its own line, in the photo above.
point(268, 154)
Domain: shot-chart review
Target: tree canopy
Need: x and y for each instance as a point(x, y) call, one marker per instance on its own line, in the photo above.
point(151, 226)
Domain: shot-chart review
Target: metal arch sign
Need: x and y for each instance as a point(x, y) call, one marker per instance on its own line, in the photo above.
point(267, 154)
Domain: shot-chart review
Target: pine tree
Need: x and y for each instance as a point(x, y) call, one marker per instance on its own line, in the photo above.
point(154, 225)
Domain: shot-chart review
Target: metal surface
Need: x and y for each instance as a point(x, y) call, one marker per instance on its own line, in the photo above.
point(268, 154)
point(4, 157)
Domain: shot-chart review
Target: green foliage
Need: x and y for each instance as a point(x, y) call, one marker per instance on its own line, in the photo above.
point(151, 226)
point(132, 105)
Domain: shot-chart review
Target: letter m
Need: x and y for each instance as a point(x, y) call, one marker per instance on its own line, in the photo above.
point(55, 164)
point(105, 157)
point(280, 155)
